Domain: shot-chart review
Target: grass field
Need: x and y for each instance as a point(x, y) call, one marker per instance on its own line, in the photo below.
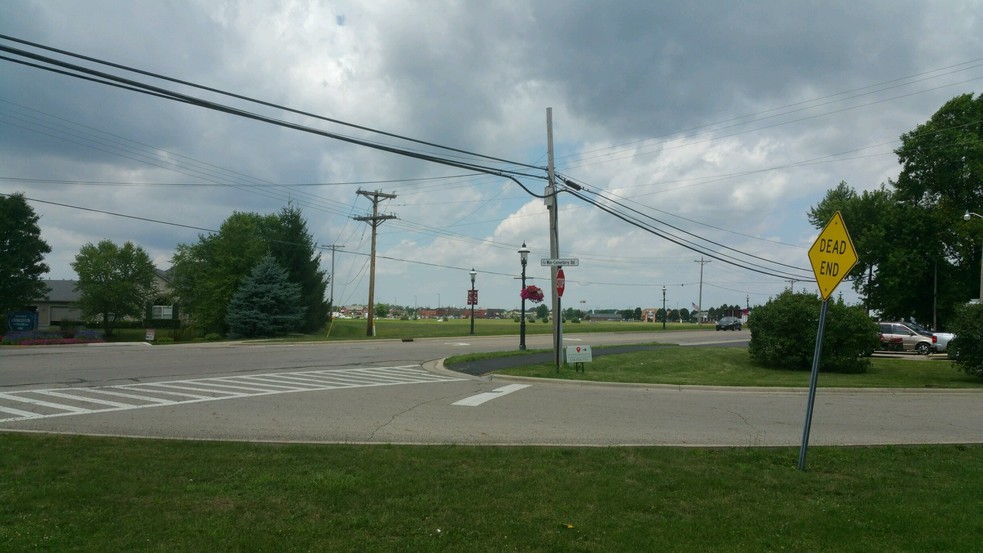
point(719, 366)
point(64, 493)
point(73, 493)
point(356, 329)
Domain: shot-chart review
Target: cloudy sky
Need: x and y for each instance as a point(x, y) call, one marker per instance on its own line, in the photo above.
point(714, 126)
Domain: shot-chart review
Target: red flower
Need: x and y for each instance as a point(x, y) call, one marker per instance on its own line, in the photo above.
point(532, 293)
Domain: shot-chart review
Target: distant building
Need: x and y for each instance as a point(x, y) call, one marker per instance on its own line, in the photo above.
point(59, 304)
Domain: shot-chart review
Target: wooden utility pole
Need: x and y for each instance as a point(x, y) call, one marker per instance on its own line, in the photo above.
point(333, 248)
point(699, 307)
point(375, 220)
point(554, 243)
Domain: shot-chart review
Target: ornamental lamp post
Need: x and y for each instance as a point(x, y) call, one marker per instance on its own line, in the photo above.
point(524, 259)
point(969, 215)
point(665, 314)
point(473, 299)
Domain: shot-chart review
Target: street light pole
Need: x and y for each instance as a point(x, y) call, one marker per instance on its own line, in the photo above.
point(665, 314)
point(473, 298)
point(969, 215)
point(524, 259)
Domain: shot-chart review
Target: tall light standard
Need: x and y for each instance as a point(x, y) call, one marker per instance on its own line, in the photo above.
point(969, 215)
point(524, 259)
point(473, 299)
point(665, 314)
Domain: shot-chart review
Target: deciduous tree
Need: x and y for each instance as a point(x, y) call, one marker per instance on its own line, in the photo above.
point(21, 254)
point(113, 282)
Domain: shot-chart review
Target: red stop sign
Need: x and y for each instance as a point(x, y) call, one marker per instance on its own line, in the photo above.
point(561, 282)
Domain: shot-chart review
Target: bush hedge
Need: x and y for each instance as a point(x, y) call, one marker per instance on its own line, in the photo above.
point(783, 334)
point(966, 349)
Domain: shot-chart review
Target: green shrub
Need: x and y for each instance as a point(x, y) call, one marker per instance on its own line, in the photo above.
point(966, 349)
point(783, 334)
point(213, 337)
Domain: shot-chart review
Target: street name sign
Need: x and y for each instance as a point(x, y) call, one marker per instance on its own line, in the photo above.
point(832, 256)
point(559, 262)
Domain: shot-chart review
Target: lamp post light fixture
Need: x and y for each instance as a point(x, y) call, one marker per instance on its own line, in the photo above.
point(473, 298)
point(969, 215)
point(524, 259)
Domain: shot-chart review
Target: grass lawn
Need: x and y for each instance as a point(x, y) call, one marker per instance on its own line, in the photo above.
point(64, 493)
point(726, 366)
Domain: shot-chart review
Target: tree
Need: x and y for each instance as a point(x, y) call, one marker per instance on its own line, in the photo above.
point(113, 282)
point(266, 304)
point(783, 334)
point(543, 312)
point(917, 258)
point(294, 248)
point(942, 176)
point(21, 254)
point(207, 274)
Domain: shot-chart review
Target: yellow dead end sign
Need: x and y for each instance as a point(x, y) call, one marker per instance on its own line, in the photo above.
point(832, 256)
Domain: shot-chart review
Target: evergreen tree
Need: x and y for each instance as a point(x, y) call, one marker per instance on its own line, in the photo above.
point(21, 254)
point(266, 304)
point(294, 248)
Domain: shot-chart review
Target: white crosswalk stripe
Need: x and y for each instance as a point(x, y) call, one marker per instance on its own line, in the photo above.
point(59, 402)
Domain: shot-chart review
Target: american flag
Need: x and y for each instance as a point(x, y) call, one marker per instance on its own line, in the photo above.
point(696, 307)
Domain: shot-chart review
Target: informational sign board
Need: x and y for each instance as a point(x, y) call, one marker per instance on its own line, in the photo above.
point(832, 256)
point(22, 320)
point(579, 354)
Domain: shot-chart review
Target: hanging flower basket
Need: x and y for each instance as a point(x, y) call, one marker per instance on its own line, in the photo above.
point(532, 293)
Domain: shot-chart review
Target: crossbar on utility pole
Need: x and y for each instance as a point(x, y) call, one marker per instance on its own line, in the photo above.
point(374, 220)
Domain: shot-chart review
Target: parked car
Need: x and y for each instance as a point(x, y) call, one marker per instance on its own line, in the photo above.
point(904, 337)
point(729, 323)
point(941, 343)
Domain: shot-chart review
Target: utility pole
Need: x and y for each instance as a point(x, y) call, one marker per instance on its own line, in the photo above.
point(375, 220)
point(333, 248)
point(554, 241)
point(699, 305)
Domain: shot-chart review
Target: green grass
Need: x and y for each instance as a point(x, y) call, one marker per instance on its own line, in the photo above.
point(63, 493)
point(432, 328)
point(724, 366)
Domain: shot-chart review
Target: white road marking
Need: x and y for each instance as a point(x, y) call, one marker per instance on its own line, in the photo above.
point(477, 400)
point(80, 401)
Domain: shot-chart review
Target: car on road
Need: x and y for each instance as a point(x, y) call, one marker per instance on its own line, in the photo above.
point(729, 323)
point(941, 342)
point(904, 337)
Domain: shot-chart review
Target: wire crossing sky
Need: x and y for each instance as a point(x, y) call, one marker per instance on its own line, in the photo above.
point(689, 136)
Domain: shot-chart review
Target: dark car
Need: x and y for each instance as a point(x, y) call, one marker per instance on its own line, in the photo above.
point(729, 323)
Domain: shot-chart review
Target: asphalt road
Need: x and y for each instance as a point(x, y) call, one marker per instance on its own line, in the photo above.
point(397, 392)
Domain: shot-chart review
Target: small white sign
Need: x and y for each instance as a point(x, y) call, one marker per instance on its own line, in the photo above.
point(579, 354)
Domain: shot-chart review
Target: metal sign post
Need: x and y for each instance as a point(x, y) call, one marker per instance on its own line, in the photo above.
point(832, 256)
point(813, 380)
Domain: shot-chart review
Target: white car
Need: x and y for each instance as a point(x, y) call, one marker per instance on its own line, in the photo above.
point(942, 340)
